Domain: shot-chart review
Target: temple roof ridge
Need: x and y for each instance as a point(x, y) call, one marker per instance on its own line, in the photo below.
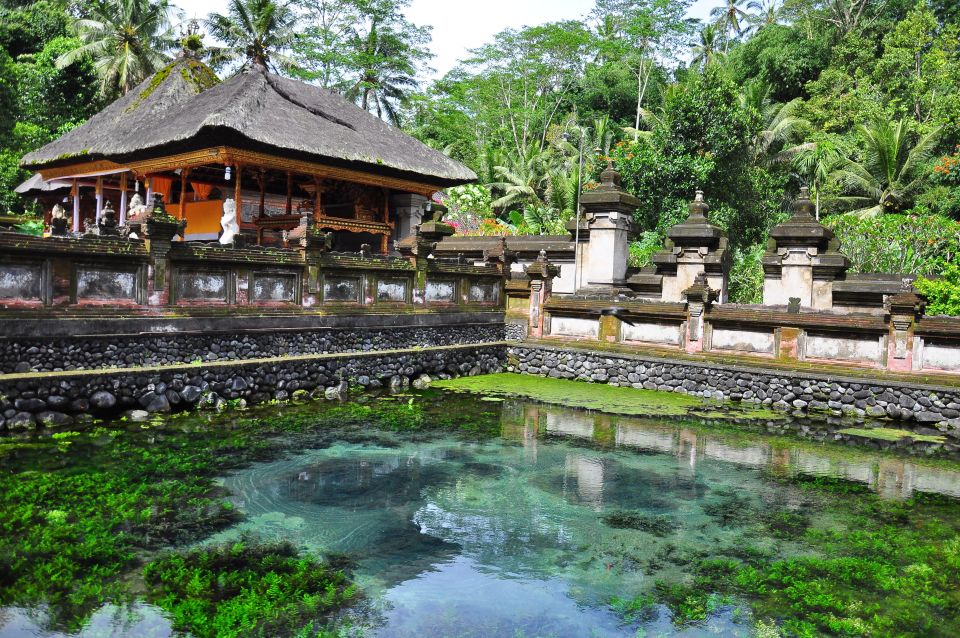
point(261, 111)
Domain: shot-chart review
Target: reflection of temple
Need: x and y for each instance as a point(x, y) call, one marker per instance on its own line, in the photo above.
point(889, 477)
point(282, 150)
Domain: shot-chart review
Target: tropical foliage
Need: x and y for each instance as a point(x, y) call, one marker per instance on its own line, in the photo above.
point(858, 101)
point(127, 40)
point(253, 32)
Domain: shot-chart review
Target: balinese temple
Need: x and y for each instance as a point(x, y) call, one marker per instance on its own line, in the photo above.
point(282, 150)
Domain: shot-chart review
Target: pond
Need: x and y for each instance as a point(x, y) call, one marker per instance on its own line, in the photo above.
point(462, 515)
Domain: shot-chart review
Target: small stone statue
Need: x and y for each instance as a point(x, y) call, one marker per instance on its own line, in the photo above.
point(228, 222)
point(365, 251)
point(137, 208)
point(108, 221)
point(58, 221)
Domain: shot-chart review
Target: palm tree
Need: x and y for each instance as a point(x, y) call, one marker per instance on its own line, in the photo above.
point(708, 51)
point(781, 129)
point(730, 16)
point(386, 74)
point(767, 12)
point(522, 180)
point(889, 170)
point(815, 161)
point(256, 32)
point(128, 41)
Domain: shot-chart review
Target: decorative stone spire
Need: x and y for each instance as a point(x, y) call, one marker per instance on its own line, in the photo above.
point(802, 259)
point(609, 178)
point(608, 216)
point(803, 208)
point(698, 209)
point(108, 220)
point(541, 268)
point(695, 248)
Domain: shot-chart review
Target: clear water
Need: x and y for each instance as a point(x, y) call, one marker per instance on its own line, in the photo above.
point(506, 537)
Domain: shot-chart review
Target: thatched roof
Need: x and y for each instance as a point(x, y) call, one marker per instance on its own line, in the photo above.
point(254, 109)
point(35, 185)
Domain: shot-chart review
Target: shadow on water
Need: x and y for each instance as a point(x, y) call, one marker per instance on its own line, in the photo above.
point(569, 523)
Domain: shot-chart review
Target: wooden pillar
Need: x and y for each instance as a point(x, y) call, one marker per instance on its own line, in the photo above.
point(289, 209)
point(262, 180)
point(183, 192)
point(261, 214)
point(75, 191)
point(148, 184)
point(317, 194)
point(123, 198)
point(99, 194)
point(237, 186)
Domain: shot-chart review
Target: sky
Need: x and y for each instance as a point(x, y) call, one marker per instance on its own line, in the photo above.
point(459, 25)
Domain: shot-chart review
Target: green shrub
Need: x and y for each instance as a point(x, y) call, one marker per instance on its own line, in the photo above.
point(746, 275)
point(943, 293)
point(909, 244)
point(642, 251)
point(30, 227)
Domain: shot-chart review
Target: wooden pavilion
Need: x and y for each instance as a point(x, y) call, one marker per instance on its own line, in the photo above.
point(281, 149)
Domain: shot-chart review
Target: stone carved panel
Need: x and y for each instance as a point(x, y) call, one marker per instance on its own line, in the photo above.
point(941, 355)
point(341, 289)
point(651, 333)
point(743, 340)
point(574, 327)
point(483, 292)
point(274, 287)
point(100, 283)
point(441, 291)
point(843, 348)
point(202, 285)
point(21, 281)
point(392, 290)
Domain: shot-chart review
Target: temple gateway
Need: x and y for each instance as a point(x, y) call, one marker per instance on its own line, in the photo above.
point(280, 153)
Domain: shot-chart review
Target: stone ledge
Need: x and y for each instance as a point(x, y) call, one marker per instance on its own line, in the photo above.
point(206, 320)
point(233, 363)
point(788, 390)
point(919, 381)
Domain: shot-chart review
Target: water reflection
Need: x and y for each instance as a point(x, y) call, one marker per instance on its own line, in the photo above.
point(891, 477)
point(110, 621)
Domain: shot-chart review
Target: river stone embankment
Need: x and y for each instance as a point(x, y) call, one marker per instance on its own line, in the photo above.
point(62, 399)
point(58, 354)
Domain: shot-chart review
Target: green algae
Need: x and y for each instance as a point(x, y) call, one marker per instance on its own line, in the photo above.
point(247, 589)
point(600, 397)
point(891, 434)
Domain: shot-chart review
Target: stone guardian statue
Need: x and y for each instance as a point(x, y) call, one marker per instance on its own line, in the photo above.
point(228, 222)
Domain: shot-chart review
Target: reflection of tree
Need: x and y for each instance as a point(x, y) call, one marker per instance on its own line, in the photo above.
point(501, 522)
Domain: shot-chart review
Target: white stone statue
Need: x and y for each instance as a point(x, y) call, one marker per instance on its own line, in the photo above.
point(136, 209)
point(229, 222)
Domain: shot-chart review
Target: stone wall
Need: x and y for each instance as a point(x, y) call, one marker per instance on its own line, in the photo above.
point(68, 398)
point(923, 405)
point(38, 354)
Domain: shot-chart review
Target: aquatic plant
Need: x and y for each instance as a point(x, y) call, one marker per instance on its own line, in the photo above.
point(246, 589)
point(658, 525)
